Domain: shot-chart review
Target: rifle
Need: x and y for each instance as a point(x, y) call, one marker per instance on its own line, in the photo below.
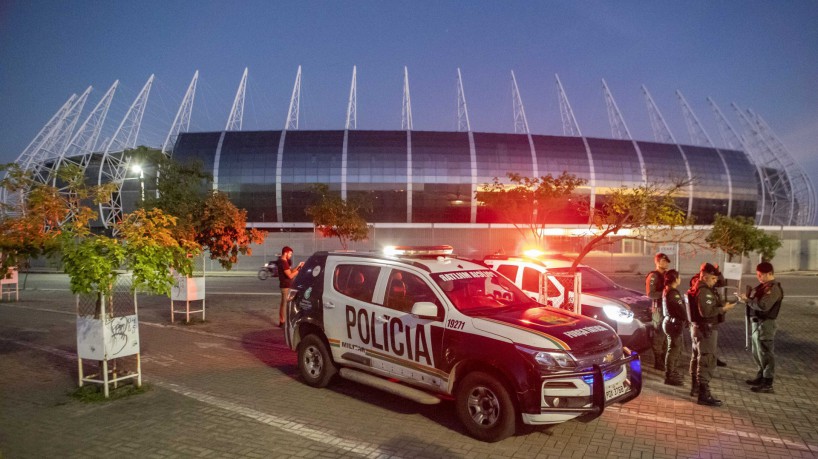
point(747, 321)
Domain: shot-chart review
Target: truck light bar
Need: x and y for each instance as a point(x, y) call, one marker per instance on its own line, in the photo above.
point(409, 250)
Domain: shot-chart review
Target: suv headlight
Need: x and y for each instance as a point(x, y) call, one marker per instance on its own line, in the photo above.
point(618, 313)
point(549, 360)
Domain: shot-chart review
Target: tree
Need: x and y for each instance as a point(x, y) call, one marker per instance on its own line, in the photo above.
point(739, 236)
point(48, 219)
point(203, 216)
point(222, 230)
point(528, 203)
point(336, 217)
point(29, 218)
point(642, 208)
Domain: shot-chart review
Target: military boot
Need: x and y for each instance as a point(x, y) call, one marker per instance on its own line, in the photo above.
point(706, 398)
point(755, 382)
point(694, 388)
point(766, 386)
point(673, 379)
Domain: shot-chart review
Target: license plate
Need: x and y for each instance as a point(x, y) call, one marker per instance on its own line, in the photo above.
point(615, 390)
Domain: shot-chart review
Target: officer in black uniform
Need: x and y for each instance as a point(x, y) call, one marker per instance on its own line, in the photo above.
point(654, 286)
point(709, 312)
point(675, 321)
point(764, 303)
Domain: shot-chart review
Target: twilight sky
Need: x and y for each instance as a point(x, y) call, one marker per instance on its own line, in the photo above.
point(760, 55)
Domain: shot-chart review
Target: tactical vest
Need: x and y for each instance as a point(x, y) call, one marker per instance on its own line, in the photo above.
point(660, 283)
point(773, 312)
point(692, 304)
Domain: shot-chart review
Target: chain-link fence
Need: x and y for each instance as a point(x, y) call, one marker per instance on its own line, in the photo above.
point(563, 290)
point(120, 302)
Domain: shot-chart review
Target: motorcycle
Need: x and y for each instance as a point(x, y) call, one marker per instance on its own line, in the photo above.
point(268, 270)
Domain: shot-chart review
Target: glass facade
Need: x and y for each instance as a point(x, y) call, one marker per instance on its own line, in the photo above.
point(247, 172)
point(427, 177)
point(616, 164)
point(744, 177)
point(498, 154)
point(310, 157)
point(664, 163)
point(441, 177)
point(377, 171)
point(711, 190)
point(556, 155)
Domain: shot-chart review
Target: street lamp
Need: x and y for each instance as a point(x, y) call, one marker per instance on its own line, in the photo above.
point(136, 168)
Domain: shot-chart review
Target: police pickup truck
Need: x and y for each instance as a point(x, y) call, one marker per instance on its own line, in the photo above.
point(423, 324)
point(549, 281)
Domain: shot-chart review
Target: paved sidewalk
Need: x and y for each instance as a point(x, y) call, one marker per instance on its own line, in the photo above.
point(229, 388)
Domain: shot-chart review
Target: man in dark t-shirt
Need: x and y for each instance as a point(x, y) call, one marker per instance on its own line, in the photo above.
point(286, 274)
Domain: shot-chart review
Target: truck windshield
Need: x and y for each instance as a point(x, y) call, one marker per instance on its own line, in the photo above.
point(481, 291)
point(592, 280)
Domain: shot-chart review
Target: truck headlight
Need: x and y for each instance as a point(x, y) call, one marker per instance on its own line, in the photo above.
point(618, 313)
point(549, 360)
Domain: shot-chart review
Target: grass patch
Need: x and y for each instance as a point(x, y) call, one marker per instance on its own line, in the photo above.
point(94, 393)
point(193, 322)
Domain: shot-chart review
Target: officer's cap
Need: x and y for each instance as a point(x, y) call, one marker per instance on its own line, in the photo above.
point(708, 268)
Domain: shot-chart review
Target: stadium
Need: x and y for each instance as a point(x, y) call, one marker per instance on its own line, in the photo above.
point(423, 183)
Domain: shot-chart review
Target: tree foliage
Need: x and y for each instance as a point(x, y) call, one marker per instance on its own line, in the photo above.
point(528, 203)
point(222, 230)
point(29, 219)
point(203, 216)
point(47, 219)
point(336, 217)
point(739, 236)
point(638, 209)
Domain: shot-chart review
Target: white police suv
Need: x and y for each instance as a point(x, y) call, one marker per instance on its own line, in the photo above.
point(423, 324)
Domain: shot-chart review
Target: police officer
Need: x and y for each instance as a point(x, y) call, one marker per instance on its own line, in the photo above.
point(654, 286)
point(709, 310)
point(764, 303)
point(675, 321)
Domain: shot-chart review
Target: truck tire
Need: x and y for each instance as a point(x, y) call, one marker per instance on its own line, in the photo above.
point(485, 408)
point(315, 362)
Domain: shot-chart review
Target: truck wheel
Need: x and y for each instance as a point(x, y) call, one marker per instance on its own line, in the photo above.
point(485, 408)
point(315, 362)
point(262, 274)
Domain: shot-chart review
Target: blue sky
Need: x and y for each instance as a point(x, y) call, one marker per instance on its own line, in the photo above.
point(760, 55)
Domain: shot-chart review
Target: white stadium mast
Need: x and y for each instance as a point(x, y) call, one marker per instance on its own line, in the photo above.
point(352, 106)
point(463, 124)
point(80, 148)
point(619, 130)
point(406, 108)
point(773, 172)
point(801, 185)
point(234, 121)
point(295, 103)
point(569, 121)
point(42, 168)
point(661, 132)
point(618, 126)
point(181, 122)
point(520, 121)
point(734, 141)
point(114, 165)
point(698, 136)
point(32, 152)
